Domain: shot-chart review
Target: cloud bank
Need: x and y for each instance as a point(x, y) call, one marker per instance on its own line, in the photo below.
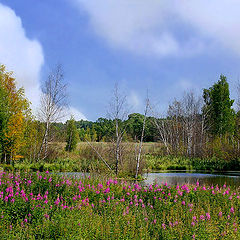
point(74, 112)
point(166, 28)
point(24, 57)
point(20, 54)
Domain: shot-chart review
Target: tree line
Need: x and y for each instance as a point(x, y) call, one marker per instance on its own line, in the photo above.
point(192, 126)
point(195, 126)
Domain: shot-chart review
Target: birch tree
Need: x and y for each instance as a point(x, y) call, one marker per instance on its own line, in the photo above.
point(162, 128)
point(53, 103)
point(118, 113)
point(191, 121)
point(142, 136)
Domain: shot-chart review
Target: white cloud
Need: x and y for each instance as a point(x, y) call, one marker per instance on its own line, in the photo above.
point(163, 27)
point(71, 111)
point(20, 54)
point(24, 57)
point(218, 20)
point(134, 101)
point(132, 24)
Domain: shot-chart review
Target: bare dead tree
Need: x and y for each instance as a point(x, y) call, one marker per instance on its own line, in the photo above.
point(182, 131)
point(174, 121)
point(161, 126)
point(191, 121)
point(186, 132)
point(53, 103)
point(142, 136)
point(118, 113)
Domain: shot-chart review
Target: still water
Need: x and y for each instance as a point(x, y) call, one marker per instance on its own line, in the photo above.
point(173, 178)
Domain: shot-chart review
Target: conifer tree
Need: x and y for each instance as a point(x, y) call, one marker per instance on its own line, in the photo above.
point(72, 135)
point(94, 135)
point(218, 108)
point(87, 136)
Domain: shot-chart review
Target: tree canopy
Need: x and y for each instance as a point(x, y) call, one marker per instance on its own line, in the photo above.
point(72, 135)
point(218, 108)
point(13, 114)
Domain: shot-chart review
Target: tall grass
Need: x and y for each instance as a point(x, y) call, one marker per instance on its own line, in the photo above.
point(156, 162)
point(153, 158)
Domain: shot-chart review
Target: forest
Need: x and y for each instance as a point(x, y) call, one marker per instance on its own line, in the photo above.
point(198, 132)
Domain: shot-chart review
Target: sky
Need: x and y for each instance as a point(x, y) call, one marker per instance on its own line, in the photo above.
point(165, 47)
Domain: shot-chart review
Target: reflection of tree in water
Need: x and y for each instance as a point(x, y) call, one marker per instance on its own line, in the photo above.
point(188, 178)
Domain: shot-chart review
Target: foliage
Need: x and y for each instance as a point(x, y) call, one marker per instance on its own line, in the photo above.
point(156, 163)
point(72, 135)
point(103, 129)
point(3, 113)
point(13, 116)
point(218, 108)
point(134, 126)
point(33, 135)
point(189, 137)
point(43, 206)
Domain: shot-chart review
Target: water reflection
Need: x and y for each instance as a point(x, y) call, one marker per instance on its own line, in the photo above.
point(174, 178)
point(74, 174)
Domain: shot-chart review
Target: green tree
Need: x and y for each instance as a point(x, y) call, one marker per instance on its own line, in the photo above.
point(33, 135)
point(72, 135)
point(87, 136)
point(104, 129)
point(81, 133)
point(134, 125)
point(3, 115)
point(218, 108)
point(94, 135)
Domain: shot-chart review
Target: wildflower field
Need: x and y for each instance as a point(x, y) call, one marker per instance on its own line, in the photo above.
point(47, 206)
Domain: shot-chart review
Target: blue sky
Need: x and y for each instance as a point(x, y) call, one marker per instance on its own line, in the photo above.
point(164, 46)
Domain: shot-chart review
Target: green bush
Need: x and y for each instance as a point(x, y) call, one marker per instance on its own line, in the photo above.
point(8, 167)
point(184, 163)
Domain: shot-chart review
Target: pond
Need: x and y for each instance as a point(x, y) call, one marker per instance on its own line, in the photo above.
point(174, 178)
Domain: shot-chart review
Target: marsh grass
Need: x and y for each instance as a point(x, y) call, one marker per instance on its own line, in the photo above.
point(84, 159)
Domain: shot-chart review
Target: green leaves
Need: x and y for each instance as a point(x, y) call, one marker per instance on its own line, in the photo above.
point(218, 108)
point(72, 135)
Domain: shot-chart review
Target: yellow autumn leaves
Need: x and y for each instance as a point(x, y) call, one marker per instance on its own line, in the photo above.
point(13, 115)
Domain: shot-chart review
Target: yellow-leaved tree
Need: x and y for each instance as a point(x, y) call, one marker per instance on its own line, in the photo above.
point(14, 114)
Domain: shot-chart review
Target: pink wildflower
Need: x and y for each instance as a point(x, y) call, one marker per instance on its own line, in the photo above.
point(208, 216)
point(163, 226)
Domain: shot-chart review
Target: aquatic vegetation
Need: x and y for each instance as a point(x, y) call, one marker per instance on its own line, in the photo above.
point(46, 206)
